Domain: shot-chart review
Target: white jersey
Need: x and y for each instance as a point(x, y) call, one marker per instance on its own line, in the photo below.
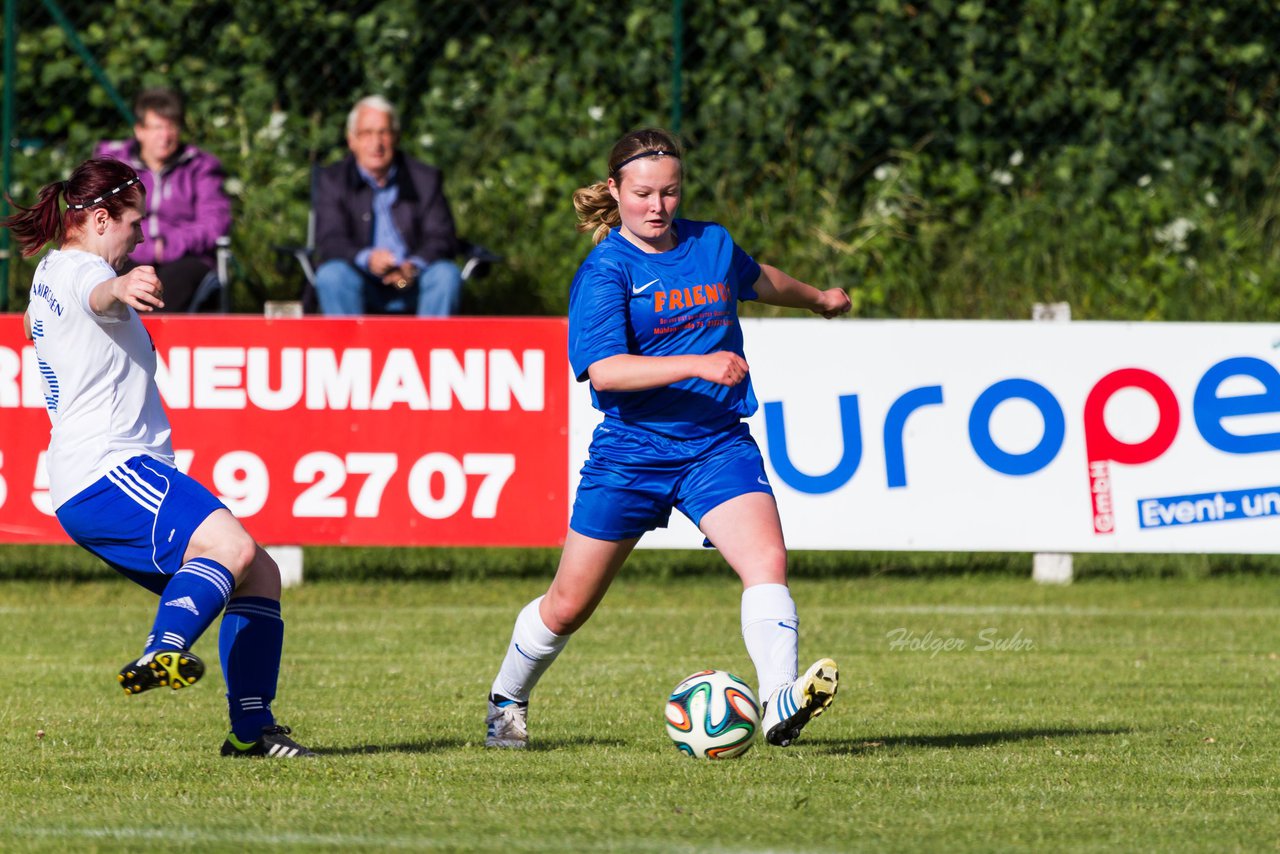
point(98, 375)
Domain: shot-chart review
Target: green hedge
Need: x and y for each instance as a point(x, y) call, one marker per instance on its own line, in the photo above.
point(938, 159)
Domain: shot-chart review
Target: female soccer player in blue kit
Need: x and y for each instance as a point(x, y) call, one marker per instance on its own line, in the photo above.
point(112, 478)
point(653, 325)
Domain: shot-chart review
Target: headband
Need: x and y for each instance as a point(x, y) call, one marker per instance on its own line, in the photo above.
point(652, 152)
point(126, 185)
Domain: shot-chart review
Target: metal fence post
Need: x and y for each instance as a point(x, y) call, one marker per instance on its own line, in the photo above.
point(69, 29)
point(677, 62)
point(6, 132)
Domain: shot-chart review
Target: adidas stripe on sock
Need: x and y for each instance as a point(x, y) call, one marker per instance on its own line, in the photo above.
point(191, 601)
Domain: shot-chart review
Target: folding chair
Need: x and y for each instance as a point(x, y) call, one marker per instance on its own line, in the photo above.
point(216, 285)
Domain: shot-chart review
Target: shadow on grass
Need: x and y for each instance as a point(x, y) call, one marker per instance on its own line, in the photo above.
point(568, 743)
point(441, 744)
point(429, 746)
point(955, 740)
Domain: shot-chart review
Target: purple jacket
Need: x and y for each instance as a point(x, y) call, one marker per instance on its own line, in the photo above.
point(185, 202)
point(343, 205)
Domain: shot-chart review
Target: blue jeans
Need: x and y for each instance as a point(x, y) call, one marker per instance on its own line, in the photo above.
point(344, 289)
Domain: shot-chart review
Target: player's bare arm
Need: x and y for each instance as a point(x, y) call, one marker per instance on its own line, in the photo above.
point(626, 372)
point(775, 287)
point(139, 288)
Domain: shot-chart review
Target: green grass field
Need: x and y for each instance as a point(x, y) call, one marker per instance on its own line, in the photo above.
point(1120, 715)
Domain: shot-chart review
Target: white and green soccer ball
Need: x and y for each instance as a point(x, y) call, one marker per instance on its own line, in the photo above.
point(713, 715)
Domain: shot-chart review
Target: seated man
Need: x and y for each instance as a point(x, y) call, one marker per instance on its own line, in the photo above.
point(187, 210)
point(384, 232)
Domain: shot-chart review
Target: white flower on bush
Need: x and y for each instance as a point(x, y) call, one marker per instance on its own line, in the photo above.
point(233, 186)
point(275, 126)
point(885, 172)
point(1015, 159)
point(1174, 235)
point(1144, 181)
point(426, 140)
point(886, 209)
point(1211, 199)
point(1003, 177)
point(596, 113)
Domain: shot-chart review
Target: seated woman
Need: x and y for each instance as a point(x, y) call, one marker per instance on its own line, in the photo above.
point(187, 209)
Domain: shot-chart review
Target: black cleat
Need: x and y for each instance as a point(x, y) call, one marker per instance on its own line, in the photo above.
point(171, 667)
point(275, 743)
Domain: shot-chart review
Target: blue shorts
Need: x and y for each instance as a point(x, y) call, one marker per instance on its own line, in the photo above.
point(139, 518)
point(633, 477)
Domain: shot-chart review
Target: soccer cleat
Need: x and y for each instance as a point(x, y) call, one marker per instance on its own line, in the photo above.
point(507, 724)
point(794, 704)
point(275, 743)
point(172, 667)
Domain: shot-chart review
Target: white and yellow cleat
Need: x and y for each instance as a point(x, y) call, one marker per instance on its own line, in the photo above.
point(793, 705)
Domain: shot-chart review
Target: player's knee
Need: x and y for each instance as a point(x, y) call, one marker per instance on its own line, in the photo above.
point(261, 577)
point(776, 558)
point(767, 566)
point(564, 616)
point(240, 551)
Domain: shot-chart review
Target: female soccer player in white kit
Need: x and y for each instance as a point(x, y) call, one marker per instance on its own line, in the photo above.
point(653, 324)
point(112, 478)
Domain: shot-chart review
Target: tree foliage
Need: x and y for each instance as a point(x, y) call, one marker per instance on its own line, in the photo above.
point(942, 159)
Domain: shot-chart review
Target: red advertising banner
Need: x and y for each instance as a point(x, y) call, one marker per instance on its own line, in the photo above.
point(369, 431)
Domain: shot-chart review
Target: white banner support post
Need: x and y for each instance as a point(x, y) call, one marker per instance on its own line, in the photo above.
point(288, 558)
point(1052, 567)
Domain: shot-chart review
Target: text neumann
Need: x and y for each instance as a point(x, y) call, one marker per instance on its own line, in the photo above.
point(321, 378)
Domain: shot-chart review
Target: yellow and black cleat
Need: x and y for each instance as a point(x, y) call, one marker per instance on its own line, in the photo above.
point(174, 668)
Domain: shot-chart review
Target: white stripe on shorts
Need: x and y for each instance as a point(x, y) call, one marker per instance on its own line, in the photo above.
point(146, 487)
point(142, 493)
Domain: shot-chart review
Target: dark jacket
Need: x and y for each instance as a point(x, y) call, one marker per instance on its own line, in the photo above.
point(343, 205)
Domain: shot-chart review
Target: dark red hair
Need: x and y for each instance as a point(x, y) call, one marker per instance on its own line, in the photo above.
point(91, 184)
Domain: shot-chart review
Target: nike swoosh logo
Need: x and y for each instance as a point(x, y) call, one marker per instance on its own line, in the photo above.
point(762, 481)
point(642, 288)
point(789, 627)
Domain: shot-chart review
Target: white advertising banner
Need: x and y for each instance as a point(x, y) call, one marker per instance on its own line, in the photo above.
point(1011, 435)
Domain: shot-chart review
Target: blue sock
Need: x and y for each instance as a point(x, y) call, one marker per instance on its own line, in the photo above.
point(249, 641)
point(191, 601)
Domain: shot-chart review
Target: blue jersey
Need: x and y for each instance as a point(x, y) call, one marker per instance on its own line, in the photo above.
point(675, 303)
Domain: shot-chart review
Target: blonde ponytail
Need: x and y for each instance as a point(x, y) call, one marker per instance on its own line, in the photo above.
point(597, 210)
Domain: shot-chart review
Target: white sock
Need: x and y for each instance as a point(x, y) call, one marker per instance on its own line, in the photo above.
point(771, 631)
point(533, 648)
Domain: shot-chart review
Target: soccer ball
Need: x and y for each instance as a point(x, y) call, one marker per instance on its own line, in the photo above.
point(713, 715)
